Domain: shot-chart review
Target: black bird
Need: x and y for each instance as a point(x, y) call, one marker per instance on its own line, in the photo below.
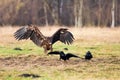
point(66, 49)
point(63, 56)
point(17, 48)
point(88, 55)
point(29, 75)
point(33, 33)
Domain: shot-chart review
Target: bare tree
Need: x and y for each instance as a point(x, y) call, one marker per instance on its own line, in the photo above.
point(100, 12)
point(113, 14)
point(45, 12)
point(53, 9)
point(78, 7)
point(80, 13)
point(60, 10)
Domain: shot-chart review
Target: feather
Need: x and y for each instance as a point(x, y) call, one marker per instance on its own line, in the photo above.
point(62, 35)
point(55, 52)
point(88, 55)
point(33, 33)
point(69, 55)
point(63, 55)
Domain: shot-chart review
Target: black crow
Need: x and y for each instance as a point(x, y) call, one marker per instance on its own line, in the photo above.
point(63, 56)
point(88, 55)
point(29, 75)
point(17, 48)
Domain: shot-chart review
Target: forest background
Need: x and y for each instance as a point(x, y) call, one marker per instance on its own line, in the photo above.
point(79, 13)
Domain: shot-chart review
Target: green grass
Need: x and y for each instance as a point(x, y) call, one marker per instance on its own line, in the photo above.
point(105, 64)
point(27, 48)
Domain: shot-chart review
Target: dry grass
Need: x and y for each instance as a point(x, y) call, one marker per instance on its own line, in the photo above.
point(100, 34)
point(104, 43)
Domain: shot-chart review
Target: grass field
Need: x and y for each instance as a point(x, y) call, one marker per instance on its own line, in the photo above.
point(104, 43)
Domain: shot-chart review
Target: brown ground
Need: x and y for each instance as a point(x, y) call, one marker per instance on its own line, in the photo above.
point(27, 61)
point(31, 61)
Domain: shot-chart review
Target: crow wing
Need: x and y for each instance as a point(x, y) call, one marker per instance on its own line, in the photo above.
point(31, 32)
point(54, 52)
point(69, 55)
point(62, 35)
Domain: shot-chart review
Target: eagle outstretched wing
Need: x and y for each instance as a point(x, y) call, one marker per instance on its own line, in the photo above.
point(31, 32)
point(62, 35)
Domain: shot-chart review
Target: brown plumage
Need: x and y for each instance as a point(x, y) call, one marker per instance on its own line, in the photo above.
point(40, 40)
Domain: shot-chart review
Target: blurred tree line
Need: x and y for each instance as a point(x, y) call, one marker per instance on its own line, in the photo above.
point(60, 12)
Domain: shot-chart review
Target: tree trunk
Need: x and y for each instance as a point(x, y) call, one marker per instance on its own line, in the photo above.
point(80, 13)
point(99, 14)
point(60, 6)
point(53, 11)
point(75, 13)
point(78, 6)
point(45, 12)
point(113, 14)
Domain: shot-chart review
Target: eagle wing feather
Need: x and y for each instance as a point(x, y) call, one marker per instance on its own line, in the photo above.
point(62, 35)
point(31, 32)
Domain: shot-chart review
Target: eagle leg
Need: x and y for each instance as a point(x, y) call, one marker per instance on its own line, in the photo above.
point(45, 49)
point(51, 49)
